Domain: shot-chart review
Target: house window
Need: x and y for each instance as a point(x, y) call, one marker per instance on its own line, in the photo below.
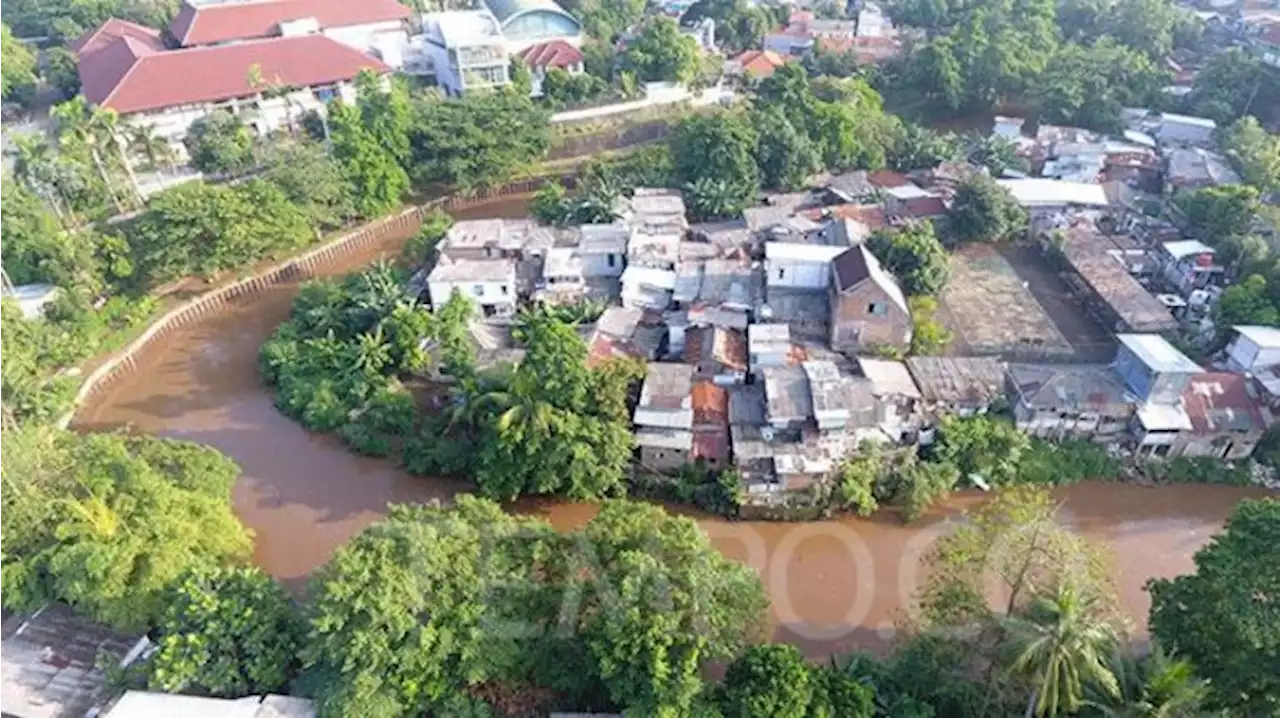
point(613, 260)
point(477, 289)
point(781, 272)
point(504, 290)
point(878, 309)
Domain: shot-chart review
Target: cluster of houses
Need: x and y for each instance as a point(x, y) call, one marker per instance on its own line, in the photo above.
point(763, 336)
point(868, 34)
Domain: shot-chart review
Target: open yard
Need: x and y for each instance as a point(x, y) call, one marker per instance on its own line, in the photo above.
point(991, 310)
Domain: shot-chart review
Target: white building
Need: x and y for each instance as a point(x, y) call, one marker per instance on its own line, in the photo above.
point(490, 283)
point(799, 266)
point(1050, 195)
point(465, 50)
point(1253, 348)
point(603, 249)
point(271, 83)
point(647, 287)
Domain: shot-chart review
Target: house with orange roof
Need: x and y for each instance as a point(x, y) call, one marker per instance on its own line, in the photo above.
point(755, 64)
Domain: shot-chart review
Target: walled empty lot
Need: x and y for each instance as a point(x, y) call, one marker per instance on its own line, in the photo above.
point(1089, 340)
point(991, 310)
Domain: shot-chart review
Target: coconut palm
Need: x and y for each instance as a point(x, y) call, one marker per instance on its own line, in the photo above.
point(143, 140)
point(1057, 645)
point(75, 132)
point(36, 166)
point(1153, 686)
point(105, 124)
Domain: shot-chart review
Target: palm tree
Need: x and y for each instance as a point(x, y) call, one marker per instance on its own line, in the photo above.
point(1154, 686)
point(75, 131)
point(1056, 646)
point(36, 166)
point(144, 141)
point(106, 125)
point(711, 198)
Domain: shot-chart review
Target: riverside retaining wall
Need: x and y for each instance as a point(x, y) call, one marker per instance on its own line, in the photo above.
point(309, 264)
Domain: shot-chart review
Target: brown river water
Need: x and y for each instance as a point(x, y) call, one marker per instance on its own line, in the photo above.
point(834, 584)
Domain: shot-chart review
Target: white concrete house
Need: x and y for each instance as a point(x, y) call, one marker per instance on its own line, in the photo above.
point(490, 283)
point(799, 266)
point(647, 287)
point(603, 249)
point(466, 50)
point(1253, 348)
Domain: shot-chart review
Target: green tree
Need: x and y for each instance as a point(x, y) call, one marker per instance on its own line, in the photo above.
point(836, 694)
point(719, 149)
point(739, 24)
point(1255, 152)
point(929, 337)
point(786, 156)
point(914, 255)
point(36, 249)
point(1215, 213)
point(548, 434)
point(1088, 85)
point(918, 147)
point(922, 485)
point(386, 113)
point(377, 180)
point(1061, 641)
point(1247, 302)
point(227, 632)
point(311, 179)
point(984, 211)
point(62, 71)
point(859, 474)
point(18, 77)
point(605, 20)
point(1156, 685)
point(1014, 538)
point(987, 446)
point(220, 143)
point(659, 52)
point(419, 607)
point(770, 680)
point(1232, 84)
point(661, 602)
point(154, 149)
point(1225, 618)
point(477, 140)
point(107, 522)
point(997, 154)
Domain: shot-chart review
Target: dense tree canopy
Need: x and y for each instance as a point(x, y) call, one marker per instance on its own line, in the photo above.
point(984, 211)
point(17, 66)
point(659, 52)
point(65, 21)
point(718, 148)
point(1255, 152)
point(427, 605)
point(220, 143)
point(914, 255)
point(312, 179)
point(227, 632)
point(378, 181)
point(475, 141)
point(199, 228)
point(1086, 86)
point(740, 25)
point(1233, 83)
point(1225, 617)
point(550, 431)
point(107, 522)
point(768, 681)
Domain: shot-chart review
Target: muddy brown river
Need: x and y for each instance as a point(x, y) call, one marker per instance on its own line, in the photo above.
point(834, 585)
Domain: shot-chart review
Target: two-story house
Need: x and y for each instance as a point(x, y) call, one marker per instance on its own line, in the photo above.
point(1253, 349)
point(1157, 374)
point(868, 308)
point(489, 283)
point(466, 50)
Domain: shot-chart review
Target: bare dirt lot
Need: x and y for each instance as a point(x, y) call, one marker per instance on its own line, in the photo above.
point(991, 310)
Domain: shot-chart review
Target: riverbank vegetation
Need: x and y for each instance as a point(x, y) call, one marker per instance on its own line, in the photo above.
point(468, 610)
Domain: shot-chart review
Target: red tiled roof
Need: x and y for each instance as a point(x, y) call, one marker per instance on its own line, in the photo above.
point(729, 347)
point(223, 22)
point(128, 76)
point(760, 63)
point(888, 179)
point(710, 403)
point(112, 30)
point(1220, 401)
point(556, 53)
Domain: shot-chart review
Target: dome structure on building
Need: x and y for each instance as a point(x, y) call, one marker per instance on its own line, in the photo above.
point(527, 22)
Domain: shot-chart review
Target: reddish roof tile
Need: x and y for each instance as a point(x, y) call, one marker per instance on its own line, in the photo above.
point(711, 444)
point(127, 76)
point(921, 207)
point(871, 215)
point(556, 53)
point(1271, 33)
point(209, 24)
point(710, 404)
point(1219, 401)
point(760, 63)
point(110, 31)
point(888, 179)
